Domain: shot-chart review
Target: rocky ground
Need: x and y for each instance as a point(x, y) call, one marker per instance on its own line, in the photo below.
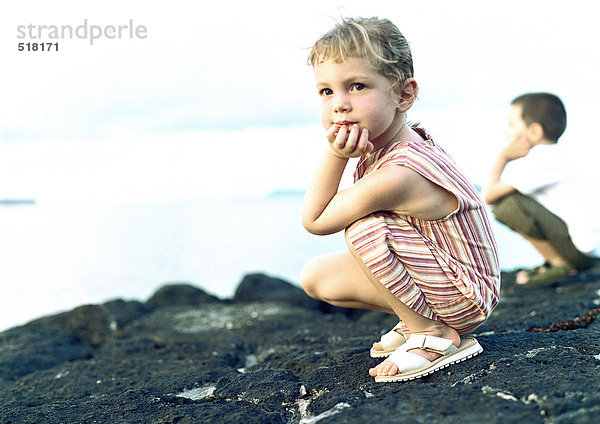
point(272, 355)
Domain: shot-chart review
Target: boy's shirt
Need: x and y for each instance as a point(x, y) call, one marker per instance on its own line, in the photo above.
point(535, 173)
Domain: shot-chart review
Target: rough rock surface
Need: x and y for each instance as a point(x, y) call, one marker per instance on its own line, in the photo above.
point(272, 355)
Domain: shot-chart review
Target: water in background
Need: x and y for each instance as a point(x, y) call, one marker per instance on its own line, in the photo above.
point(54, 257)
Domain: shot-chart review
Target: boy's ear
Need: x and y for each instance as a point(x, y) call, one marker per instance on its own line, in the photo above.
point(535, 132)
point(408, 95)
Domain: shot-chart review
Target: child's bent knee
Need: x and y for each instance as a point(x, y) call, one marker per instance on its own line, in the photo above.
point(308, 278)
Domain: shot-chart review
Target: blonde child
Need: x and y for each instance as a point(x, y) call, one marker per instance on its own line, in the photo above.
point(419, 240)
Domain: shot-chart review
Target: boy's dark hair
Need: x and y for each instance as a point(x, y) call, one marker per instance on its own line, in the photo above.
point(547, 110)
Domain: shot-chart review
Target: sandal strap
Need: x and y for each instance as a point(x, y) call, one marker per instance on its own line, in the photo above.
point(392, 338)
point(536, 270)
point(552, 273)
point(429, 343)
point(408, 362)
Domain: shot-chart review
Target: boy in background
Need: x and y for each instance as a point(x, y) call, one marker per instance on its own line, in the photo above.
point(533, 194)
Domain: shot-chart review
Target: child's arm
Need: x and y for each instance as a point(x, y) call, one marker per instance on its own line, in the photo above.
point(327, 211)
point(496, 189)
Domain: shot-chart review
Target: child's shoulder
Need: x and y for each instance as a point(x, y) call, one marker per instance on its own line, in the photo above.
point(421, 134)
point(417, 146)
point(544, 152)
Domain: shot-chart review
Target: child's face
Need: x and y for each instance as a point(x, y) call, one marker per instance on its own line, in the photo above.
point(517, 128)
point(354, 92)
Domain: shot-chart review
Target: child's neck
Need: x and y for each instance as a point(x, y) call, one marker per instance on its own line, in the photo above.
point(543, 142)
point(397, 131)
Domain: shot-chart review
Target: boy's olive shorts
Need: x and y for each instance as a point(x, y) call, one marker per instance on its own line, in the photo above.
point(527, 217)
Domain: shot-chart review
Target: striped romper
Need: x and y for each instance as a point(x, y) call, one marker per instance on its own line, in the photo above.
point(445, 269)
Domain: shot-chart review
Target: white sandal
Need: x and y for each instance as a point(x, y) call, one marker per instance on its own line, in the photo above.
point(390, 341)
point(413, 366)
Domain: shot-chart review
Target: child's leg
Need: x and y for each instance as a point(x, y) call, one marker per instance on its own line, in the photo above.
point(547, 233)
point(343, 280)
point(337, 279)
point(416, 323)
point(547, 250)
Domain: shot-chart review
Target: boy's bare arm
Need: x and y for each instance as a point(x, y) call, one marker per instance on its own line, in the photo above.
point(496, 189)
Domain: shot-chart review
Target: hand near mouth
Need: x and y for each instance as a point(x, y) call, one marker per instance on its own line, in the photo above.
point(516, 149)
point(349, 141)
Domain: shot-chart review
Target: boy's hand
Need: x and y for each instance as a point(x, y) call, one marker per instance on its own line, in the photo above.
point(349, 141)
point(516, 149)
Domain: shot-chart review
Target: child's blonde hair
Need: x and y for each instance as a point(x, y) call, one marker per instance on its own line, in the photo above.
point(378, 41)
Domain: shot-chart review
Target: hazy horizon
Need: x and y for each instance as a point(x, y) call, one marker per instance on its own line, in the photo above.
point(225, 92)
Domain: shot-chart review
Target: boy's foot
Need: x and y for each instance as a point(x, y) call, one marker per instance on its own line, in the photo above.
point(545, 273)
point(524, 275)
point(389, 342)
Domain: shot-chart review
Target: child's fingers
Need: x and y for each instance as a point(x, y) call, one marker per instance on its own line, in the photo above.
point(364, 146)
point(340, 138)
point(363, 142)
point(332, 133)
point(353, 139)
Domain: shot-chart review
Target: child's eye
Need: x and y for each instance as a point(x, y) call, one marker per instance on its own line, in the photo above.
point(325, 92)
point(358, 86)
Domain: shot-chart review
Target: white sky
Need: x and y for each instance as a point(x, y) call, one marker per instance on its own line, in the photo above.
point(155, 117)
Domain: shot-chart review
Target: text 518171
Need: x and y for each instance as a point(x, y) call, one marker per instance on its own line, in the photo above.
point(38, 47)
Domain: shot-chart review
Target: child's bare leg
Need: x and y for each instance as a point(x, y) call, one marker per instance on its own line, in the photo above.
point(416, 323)
point(342, 280)
point(337, 279)
point(548, 252)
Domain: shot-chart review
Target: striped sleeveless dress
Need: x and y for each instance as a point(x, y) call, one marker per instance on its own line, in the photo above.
point(445, 269)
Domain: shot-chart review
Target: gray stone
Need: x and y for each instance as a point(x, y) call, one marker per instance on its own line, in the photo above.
point(186, 358)
point(180, 294)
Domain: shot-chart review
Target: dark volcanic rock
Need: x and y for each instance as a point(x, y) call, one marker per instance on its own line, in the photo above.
point(123, 312)
point(272, 355)
point(262, 288)
point(90, 323)
point(39, 345)
point(180, 294)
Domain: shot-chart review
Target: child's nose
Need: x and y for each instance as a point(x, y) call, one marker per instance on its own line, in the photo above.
point(341, 104)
